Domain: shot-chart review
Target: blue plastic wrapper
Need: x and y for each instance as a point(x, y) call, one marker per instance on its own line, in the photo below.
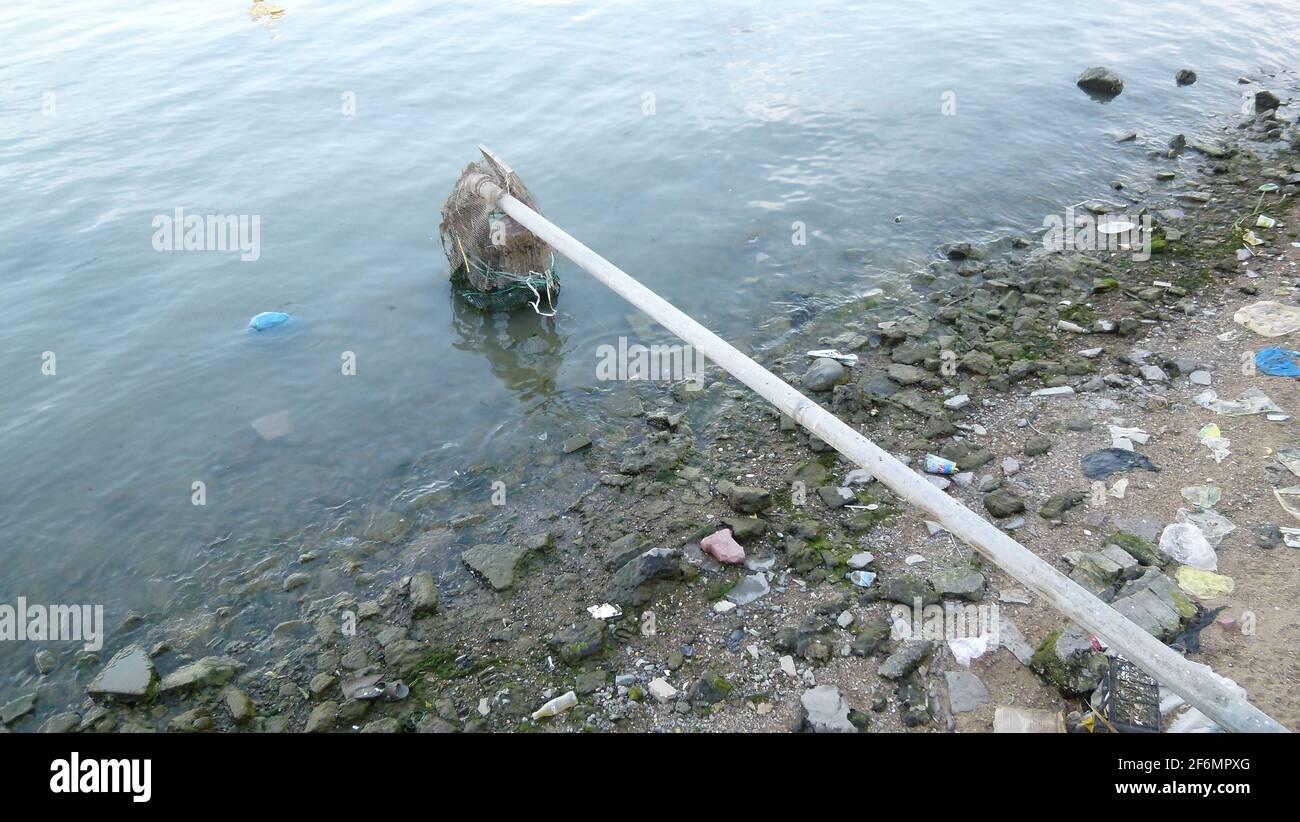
point(269, 319)
point(1278, 362)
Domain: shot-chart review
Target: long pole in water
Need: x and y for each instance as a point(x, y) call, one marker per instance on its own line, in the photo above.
point(1192, 683)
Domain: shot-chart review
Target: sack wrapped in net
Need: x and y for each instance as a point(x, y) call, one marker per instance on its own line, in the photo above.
point(496, 264)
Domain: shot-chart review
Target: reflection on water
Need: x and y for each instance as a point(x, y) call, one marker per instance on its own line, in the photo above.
point(266, 14)
point(523, 349)
point(765, 114)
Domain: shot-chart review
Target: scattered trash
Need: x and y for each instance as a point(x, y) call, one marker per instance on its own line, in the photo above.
point(556, 706)
point(1101, 464)
point(964, 649)
point(723, 547)
point(1290, 459)
point(1204, 584)
point(1278, 417)
point(1193, 721)
point(1278, 362)
point(604, 611)
point(831, 354)
point(1250, 401)
point(862, 579)
point(1127, 700)
point(1289, 499)
point(373, 687)
point(1185, 544)
point(352, 687)
point(1213, 525)
point(939, 465)
point(1202, 496)
point(1212, 438)
point(1264, 221)
point(1125, 437)
point(1117, 490)
point(269, 319)
point(1189, 641)
point(1291, 536)
point(1010, 720)
point(1268, 318)
point(274, 426)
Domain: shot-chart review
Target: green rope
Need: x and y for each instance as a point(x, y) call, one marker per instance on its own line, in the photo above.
point(509, 295)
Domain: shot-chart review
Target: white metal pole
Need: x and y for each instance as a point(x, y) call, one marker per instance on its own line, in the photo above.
point(1148, 653)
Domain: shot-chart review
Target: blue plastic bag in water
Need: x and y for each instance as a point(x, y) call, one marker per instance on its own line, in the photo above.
point(269, 319)
point(1278, 362)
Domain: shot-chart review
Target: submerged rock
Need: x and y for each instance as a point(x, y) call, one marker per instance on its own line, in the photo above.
point(128, 675)
point(424, 594)
point(211, 670)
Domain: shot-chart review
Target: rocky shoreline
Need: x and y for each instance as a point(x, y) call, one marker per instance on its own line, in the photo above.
point(617, 579)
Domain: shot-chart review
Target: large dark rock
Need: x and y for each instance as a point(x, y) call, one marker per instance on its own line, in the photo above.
point(1100, 81)
point(628, 585)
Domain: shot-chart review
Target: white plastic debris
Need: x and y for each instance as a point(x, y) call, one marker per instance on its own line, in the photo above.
point(556, 706)
point(1289, 499)
point(1213, 525)
point(604, 611)
point(1185, 544)
point(1192, 721)
point(1268, 318)
point(965, 649)
point(1121, 437)
point(1212, 438)
point(1250, 401)
point(1117, 490)
point(1202, 496)
point(831, 354)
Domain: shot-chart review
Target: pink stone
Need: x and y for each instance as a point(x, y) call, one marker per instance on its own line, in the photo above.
point(723, 547)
